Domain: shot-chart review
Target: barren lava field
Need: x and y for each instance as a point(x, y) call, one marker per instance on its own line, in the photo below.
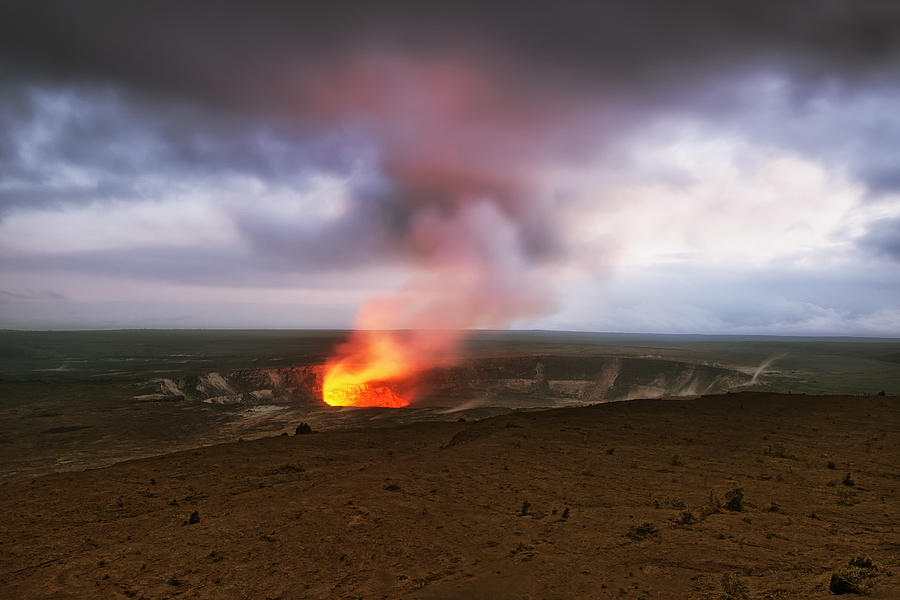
point(617, 500)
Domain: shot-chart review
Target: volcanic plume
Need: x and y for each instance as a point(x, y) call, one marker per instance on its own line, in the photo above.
point(473, 274)
point(470, 224)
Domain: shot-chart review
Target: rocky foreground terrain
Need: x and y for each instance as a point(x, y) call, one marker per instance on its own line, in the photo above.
point(734, 496)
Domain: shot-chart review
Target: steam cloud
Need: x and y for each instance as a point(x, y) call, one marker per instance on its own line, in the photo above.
point(455, 150)
point(765, 365)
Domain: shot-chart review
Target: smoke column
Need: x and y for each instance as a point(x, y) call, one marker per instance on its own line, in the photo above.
point(455, 154)
point(765, 365)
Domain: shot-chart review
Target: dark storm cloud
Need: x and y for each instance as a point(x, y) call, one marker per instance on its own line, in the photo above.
point(181, 93)
point(200, 70)
point(118, 137)
point(883, 238)
point(226, 52)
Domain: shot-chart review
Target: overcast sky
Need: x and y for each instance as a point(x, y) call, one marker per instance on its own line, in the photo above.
point(681, 167)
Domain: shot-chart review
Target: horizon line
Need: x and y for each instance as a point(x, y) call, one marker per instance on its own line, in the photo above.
point(471, 330)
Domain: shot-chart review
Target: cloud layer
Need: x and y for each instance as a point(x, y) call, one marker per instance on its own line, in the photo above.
point(310, 156)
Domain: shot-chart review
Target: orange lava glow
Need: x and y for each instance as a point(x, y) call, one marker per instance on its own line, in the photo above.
point(362, 372)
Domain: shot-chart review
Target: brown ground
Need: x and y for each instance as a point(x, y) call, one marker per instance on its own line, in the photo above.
point(433, 510)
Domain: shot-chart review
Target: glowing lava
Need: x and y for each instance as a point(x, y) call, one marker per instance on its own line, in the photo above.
point(361, 373)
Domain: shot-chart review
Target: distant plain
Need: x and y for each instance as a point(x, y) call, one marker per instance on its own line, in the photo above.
point(73, 400)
